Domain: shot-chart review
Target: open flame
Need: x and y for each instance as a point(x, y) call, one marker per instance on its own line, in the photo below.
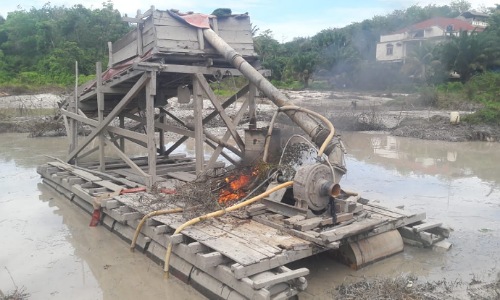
point(236, 187)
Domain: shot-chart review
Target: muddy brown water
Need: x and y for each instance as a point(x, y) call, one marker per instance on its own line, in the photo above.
point(48, 248)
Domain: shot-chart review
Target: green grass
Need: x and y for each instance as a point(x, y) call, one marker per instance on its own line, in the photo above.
point(7, 113)
point(228, 86)
point(320, 86)
point(489, 114)
point(481, 92)
point(288, 85)
point(224, 93)
point(33, 82)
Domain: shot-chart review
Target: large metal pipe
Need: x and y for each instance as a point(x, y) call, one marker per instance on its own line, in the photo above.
point(317, 133)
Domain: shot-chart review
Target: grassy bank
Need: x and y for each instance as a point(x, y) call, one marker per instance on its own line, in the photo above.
point(481, 94)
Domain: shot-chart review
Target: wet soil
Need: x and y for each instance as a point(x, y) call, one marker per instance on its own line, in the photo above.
point(439, 128)
point(352, 111)
point(349, 111)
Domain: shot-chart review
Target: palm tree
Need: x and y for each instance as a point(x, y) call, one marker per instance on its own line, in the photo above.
point(423, 63)
point(303, 65)
point(465, 54)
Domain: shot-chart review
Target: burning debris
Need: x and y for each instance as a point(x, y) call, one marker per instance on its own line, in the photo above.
point(211, 193)
point(206, 194)
point(236, 186)
point(198, 198)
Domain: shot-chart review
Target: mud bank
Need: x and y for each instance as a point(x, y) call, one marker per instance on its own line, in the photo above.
point(440, 128)
point(32, 114)
point(409, 287)
point(353, 111)
point(349, 111)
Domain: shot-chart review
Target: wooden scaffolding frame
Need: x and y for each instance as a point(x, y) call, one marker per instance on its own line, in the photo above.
point(143, 87)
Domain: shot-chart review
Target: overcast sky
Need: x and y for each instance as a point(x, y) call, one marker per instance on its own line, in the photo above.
point(285, 18)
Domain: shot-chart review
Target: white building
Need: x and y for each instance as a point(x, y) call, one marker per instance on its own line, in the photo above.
point(395, 47)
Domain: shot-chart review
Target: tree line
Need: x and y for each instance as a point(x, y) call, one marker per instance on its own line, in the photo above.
point(39, 47)
point(345, 57)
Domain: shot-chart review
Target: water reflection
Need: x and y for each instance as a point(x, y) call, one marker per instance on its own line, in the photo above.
point(30, 152)
point(47, 246)
point(411, 156)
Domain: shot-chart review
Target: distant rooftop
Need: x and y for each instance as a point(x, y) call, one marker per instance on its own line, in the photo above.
point(458, 25)
point(473, 13)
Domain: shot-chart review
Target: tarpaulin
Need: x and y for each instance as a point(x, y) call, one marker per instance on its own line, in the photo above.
point(196, 20)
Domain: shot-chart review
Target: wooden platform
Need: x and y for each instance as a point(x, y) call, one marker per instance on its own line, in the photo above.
point(243, 256)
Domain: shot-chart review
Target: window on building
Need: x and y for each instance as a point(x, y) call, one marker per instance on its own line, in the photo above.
point(389, 49)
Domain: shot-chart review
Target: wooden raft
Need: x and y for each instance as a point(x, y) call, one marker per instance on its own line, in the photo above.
point(230, 250)
point(246, 255)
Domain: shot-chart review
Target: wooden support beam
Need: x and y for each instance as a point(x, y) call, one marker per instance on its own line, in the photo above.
point(139, 38)
point(150, 127)
point(113, 90)
point(176, 145)
point(426, 226)
point(227, 120)
point(220, 147)
point(120, 78)
point(114, 138)
point(210, 260)
point(225, 155)
point(198, 124)
point(212, 115)
point(100, 115)
point(280, 277)
point(162, 135)
point(201, 39)
point(176, 238)
point(215, 25)
point(74, 106)
point(183, 69)
point(132, 20)
point(68, 128)
point(252, 107)
point(109, 85)
point(162, 126)
point(122, 126)
point(137, 137)
point(126, 159)
point(118, 108)
point(110, 54)
point(208, 135)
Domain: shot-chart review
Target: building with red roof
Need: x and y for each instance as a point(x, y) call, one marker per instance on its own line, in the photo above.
point(395, 47)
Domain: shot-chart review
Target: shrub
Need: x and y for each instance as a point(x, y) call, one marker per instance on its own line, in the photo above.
point(490, 114)
point(320, 85)
point(289, 85)
point(428, 96)
point(450, 87)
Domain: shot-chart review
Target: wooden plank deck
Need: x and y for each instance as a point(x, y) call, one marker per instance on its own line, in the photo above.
point(228, 248)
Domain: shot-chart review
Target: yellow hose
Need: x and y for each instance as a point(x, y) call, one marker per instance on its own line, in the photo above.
point(149, 215)
point(218, 214)
point(319, 116)
point(268, 136)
